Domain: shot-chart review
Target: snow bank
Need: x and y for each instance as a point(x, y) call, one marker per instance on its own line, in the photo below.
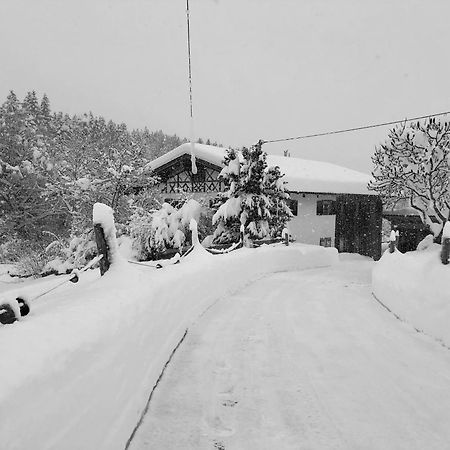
point(416, 287)
point(76, 372)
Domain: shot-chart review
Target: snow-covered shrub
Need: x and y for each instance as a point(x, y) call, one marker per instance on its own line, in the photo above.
point(165, 228)
point(73, 253)
point(30, 264)
point(28, 257)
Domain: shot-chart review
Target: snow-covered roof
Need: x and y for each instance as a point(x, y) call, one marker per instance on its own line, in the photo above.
point(301, 175)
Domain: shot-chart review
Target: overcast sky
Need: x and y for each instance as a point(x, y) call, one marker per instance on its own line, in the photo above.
point(261, 68)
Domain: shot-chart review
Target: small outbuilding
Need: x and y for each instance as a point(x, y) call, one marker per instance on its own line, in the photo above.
point(331, 204)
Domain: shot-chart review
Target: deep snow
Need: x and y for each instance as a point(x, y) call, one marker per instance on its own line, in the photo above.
point(416, 287)
point(302, 360)
point(76, 372)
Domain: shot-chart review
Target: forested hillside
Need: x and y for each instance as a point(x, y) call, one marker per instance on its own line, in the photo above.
point(53, 167)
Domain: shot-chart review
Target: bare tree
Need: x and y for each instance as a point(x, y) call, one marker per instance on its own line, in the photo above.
point(413, 166)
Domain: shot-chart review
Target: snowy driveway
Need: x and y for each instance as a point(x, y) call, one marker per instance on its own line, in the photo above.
point(302, 360)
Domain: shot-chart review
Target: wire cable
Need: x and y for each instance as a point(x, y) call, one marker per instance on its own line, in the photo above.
point(347, 130)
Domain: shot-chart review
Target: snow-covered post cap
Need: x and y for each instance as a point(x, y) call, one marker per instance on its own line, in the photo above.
point(445, 249)
point(105, 235)
point(194, 228)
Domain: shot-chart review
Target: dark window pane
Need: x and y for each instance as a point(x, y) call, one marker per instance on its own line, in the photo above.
point(326, 207)
point(325, 242)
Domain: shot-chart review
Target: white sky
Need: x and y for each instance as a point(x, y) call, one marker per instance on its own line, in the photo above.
point(261, 68)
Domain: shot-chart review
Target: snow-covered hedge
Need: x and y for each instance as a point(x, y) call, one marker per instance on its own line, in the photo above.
point(76, 373)
point(416, 287)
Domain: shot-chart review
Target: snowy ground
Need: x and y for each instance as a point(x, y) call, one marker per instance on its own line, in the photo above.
point(76, 372)
point(302, 360)
point(416, 287)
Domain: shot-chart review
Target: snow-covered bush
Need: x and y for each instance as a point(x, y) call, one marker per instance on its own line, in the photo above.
point(30, 264)
point(166, 228)
point(72, 253)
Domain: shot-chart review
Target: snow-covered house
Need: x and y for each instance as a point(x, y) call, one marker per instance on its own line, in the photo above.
point(331, 204)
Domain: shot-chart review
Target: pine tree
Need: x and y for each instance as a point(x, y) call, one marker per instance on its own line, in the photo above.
point(228, 204)
point(44, 110)
point(246, 202)
point(255, 203)
point(280, 213)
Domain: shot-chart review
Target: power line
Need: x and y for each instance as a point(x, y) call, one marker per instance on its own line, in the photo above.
point(347, 130)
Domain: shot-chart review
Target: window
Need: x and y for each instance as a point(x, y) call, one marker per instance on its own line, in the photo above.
point(326, 207)
point(325, 242)
point(293, 205)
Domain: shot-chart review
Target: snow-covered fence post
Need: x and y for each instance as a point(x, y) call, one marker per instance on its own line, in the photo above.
point(445, 249)
point(285, 236)
point(393, 241)
point(105, 235)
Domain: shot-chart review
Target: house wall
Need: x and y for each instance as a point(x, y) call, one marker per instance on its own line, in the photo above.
point(307, 227)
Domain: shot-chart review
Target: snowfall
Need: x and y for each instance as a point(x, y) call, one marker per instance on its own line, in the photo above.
point(269, 348)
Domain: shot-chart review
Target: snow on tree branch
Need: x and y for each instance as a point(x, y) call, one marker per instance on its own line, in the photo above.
point(412, 165)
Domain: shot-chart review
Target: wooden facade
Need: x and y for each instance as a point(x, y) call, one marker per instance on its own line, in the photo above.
point(177, 177)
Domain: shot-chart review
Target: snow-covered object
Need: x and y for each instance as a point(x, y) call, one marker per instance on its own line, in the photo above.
point(193, 160)
point(208, 240)
point(285, 233)
point(83, 183)
point(178, 239)
point(104, 215)
point(11, 301)
point(231, 208)
point(446, 230)
point(194, 229)
point(190, 210)
point(301, 175)
point(426, 242)
point(393, 236)
point(416, 286)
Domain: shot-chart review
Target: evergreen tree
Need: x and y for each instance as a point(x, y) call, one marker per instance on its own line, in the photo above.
point(251, 197)
point(275, 189)
point(228, 204)
point(44, 110)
